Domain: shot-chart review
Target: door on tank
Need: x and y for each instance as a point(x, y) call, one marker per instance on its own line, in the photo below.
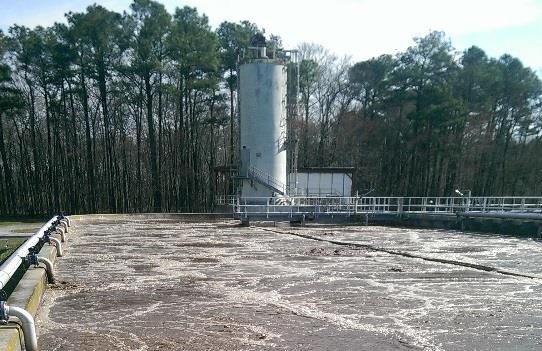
point(245, 161)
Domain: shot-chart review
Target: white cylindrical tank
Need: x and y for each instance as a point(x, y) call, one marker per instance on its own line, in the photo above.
point(263, 126)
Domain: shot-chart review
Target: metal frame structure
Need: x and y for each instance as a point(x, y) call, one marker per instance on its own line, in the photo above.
point(347, 206)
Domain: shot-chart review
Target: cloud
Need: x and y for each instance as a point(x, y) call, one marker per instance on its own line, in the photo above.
point(360, 28)
point(365, 28)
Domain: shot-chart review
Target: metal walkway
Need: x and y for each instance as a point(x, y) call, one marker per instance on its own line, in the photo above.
point(529, 207)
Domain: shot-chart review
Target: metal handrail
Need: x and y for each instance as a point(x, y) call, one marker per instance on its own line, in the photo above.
point(225, 199)
point(391, 205)
point(266, 178)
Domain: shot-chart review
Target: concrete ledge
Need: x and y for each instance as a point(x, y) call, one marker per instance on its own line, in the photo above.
point(528, 226)
point(27, 295)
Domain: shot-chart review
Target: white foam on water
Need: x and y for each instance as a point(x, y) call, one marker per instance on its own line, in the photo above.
point(242, 277)
point(312, 310)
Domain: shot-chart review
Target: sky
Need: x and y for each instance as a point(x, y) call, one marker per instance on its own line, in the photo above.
point(358, 28)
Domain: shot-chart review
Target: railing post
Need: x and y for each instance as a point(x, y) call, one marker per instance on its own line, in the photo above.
point(356, 206)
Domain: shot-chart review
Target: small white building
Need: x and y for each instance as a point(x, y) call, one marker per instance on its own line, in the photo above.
point(321, 181)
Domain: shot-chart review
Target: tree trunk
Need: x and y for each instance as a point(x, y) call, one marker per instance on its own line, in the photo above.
point(8, 178)
point(107, 136)
point(157, 195)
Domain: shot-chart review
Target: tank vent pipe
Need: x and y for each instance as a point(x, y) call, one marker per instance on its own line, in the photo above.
point(27, 322)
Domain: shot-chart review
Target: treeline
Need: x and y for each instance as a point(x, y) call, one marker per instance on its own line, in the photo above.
point(133, 112)
point(117, 112)
point(426, 121)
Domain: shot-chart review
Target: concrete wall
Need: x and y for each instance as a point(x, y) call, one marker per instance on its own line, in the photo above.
point(520, 227)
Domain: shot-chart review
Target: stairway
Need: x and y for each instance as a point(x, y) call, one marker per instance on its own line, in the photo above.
point(267, 180)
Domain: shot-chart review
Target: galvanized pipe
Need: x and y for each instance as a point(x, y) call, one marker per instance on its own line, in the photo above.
point(27, 322)
point(62, 234)
point(64, 225)
point(48, 269)
point(11, 264)
point(58, 246)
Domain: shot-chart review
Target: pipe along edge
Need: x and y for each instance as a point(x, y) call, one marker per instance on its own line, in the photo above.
point(58, 246)
point(26, 319)
point(62, 234)
point(48, 269)
point(27, 323)
point(65, 220)
point(64, 225)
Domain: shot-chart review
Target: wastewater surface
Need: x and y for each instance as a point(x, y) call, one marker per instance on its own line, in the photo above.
point(170, 285)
